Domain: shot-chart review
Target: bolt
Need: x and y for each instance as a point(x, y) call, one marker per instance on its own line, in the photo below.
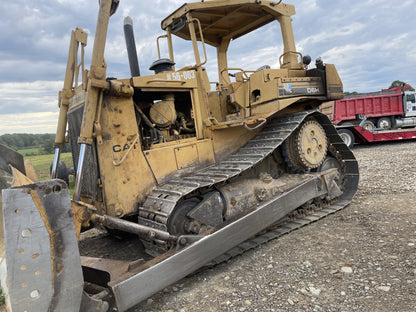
point(266, 177)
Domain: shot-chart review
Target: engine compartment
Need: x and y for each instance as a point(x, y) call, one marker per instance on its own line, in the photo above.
point(163, 116)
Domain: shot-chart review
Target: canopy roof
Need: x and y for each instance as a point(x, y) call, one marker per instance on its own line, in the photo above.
point(227, 19)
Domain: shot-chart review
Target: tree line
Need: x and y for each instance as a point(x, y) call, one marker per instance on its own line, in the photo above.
point(20, 141)
point(396, 83)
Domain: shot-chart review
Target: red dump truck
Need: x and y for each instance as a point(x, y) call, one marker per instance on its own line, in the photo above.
point(386, 115)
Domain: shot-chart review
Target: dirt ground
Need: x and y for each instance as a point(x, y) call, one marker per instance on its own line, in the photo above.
point(360, 259)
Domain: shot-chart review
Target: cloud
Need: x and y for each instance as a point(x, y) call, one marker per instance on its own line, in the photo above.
point(25, 69)
point(26, 97)
point(372, 43)
point(44, 122)
point(336, 33)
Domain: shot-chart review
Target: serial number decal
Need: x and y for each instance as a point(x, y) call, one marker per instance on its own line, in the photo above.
point(186, 75)
point(290, 89)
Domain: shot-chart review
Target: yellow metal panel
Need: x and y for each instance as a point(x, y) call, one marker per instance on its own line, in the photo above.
point(302, 103)
point(232, 18)
point(125, 174)
point(186, 156)
point(205, 153)
point(289, 87)
point(199, 111)
point(162, 161)
point(262, 87)
point(177, 159)
point(333, 83)
point(183, 79)
point(218, 108)
point(271, 107)
point(239, 94)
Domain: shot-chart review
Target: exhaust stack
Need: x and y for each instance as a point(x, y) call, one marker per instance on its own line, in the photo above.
point(131, 47)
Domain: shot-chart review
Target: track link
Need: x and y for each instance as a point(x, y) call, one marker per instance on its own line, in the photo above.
point(275, 233)
point(163, 199)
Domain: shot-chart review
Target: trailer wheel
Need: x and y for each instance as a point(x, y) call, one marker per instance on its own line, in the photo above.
point(368, 125)
point(347, 136)
point(384, 123)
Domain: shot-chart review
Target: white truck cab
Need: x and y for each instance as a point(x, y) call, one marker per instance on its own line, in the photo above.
point(410, 100)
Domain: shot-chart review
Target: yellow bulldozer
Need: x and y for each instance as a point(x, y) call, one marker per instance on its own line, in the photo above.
point(199, 170)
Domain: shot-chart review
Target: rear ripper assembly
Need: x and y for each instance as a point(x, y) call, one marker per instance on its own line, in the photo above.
point(199, 175)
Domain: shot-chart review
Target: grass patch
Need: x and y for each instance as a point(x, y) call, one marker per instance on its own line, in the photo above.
point(42, 164)
point(31, 151)
point(1, 297)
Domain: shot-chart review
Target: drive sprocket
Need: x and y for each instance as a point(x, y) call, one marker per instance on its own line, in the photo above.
point(306, 148)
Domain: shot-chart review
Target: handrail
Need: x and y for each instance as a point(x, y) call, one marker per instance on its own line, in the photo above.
point(288, 52)
point(194, 19)
point(244, 72)
point(157, 43)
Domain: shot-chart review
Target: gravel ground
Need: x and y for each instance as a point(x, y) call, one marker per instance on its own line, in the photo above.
point(360, 259)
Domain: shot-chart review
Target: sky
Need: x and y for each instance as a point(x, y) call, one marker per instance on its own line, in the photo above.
point(372, 43)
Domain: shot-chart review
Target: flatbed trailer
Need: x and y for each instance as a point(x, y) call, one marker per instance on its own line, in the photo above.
point(358, 134)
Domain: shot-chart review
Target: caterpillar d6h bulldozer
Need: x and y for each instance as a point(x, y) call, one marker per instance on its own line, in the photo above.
point(199, 175)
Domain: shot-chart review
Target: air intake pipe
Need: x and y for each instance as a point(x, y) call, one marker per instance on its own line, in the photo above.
point(131, 47)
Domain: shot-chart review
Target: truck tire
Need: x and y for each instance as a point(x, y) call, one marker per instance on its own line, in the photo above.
point(347, 136)
point(384, 123)
point(368, 125)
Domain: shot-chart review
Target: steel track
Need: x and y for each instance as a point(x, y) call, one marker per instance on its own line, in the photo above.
point(274, 233)
point(163, 199)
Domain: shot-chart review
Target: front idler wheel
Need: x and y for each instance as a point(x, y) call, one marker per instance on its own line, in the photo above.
point(179, 223)
point(334, 184)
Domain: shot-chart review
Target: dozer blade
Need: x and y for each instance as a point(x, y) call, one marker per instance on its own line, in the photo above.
point(11, 157)
point(40, 266)
point(130, 290)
